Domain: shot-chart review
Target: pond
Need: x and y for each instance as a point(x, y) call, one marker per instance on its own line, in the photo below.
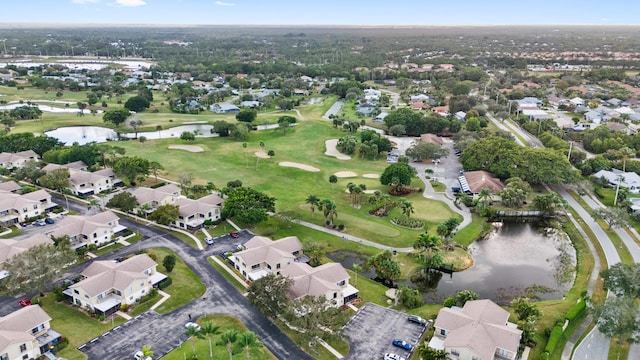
point(515, 259)
point(86, 134)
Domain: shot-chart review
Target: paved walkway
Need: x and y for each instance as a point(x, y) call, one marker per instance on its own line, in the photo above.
point(233, 224)
point(123, 315)
point(331, 350)
point(165, 297)
point(226, 268)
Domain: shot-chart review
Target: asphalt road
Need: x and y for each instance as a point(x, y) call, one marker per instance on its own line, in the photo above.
point(165, 332)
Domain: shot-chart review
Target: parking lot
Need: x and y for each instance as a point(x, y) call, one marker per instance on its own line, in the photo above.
point(373, 327)
point(226, 243)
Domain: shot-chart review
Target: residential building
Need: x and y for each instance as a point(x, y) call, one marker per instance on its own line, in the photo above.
point(380, 117)
point(106, 285)
point(97, 229)
point(17, 208)
point(479, 330)
point(365, 109)
point(577, 101)
point(263, 256)
point(11, 247)
point(224, 108)
point(163, 195)
point(17, 160)
point(193, 213)
point(330, 280)
point(10, 187)
point(615, 177)
point(250, 104)
point(475, 181)
point(83, 182)
point(26, 334)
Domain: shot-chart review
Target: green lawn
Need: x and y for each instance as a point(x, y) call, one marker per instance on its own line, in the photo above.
point(219, 348)
point(232, 280)
point(472, 232)
point(186, 285)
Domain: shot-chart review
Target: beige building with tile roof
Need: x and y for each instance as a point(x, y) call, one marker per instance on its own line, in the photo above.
point(17, 208)
point(17, 160)
point(10, 187)
point(26, 334)
point(478, 331)
point(330, 280)
point(107, 284)
point(163, 195)
point(263, 256)
point(97, 229)
point(83, 182)
point(11, 247)
point(476, 181)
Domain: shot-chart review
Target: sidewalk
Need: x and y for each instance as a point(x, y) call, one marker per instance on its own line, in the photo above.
point(226, 268)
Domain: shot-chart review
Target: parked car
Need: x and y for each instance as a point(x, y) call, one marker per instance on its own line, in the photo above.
point(390, 356)
point(139, 355)
point(39, 222)
point(24, 302)
point(234, 234)
point(417, 320)
point(49, 221)
point(193, 325)
point(208, 240)
point(402, 344)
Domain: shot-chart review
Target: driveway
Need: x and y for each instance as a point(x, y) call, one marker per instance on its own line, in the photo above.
point(371, 330)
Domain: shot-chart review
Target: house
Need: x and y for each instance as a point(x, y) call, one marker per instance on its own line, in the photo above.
point(106, 285)
point(419, 105)
point(479, 330)
point(365, 109)
point(330, 280)
point(193, 213)
point(461, 115)
point(372, 94)
point(577, 101)
point(475, 181)
point(432, 138)
point(250, 104)
point(17, 160)
point(420, 97)
point(82, 182)
point(97, 229)
point(614, 102)
point(17, 208)
point(166, 194)
point(634, 206)
point(529, 101)
point(263, 256)
point(615, 177)
point(224, 108)
point(11, 247)
point(380, 117)
point(10, 187)
point(26, 334)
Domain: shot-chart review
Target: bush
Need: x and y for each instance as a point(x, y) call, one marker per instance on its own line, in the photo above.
point(556, 333)
point(165, 283)
point(576, 310)
point(544, 356)
point(408, 222)
point(341, 227)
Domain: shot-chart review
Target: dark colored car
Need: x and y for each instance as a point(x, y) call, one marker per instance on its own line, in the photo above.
point(417, 320)
point(402, 344)
point(49, 221)
point(234, 234)
point(24, 302)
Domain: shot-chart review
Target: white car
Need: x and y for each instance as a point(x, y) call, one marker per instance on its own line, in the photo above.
point(209, 241)
point(389, 356)
point(140, 356)
point(193, 325)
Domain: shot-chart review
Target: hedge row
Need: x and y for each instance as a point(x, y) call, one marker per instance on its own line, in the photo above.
point(576, 310)
point(553, 338)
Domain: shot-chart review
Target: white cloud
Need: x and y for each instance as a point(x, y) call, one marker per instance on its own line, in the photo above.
point(85, 1)
point(222, 3)
point(130, 3)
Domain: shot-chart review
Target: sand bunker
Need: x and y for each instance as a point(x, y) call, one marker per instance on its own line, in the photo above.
point(371, 176)
point(189, 148)
point(368, 191)
point(299, 166)
point(345, 174)
point(332, 151)
point(261, 154)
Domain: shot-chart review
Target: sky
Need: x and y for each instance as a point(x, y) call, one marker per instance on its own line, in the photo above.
point(322, 12)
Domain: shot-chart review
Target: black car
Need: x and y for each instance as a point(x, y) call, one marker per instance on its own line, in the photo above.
point(417, 320)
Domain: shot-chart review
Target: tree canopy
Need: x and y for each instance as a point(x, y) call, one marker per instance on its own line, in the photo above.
point(269, 294)
point(397, 175)
point(385, 266)
point(116, 116)
point(247, 205)
point(137, 103)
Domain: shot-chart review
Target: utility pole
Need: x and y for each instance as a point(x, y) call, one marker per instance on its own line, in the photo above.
point(570, 147)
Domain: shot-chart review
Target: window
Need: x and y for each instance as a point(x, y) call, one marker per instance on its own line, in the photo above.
point(335, 295)
point(4, 357)
point(100, 296)
point(95, 235)
point(475, 358)
point(443, 332)
point(455, 352)
point(23, 347)
point(256, 266)
point(278, 266)
point(76, 291)
point(25, 357)
point(341, 283)
point(34, 330)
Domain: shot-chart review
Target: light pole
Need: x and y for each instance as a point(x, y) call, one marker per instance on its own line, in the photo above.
point(615, 199)
point(570, 147)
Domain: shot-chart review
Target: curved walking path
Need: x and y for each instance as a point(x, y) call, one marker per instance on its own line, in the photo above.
point(333, 110)
point(429, 193)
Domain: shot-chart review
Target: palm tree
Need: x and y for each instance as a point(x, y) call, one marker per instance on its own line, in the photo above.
point(230, 336)
point(406, 207)
point(356, 269)
point(155, 166)
point(313, 201)
point(333, 179)
point(484, 198)
point(428, 246)
point(208, 329)
point(357, 194)
point(145, 208)
point(147, 352)
point(248, 340)
point(158, 129)
point(93, 203)
point(193, 333)
point(331, 211)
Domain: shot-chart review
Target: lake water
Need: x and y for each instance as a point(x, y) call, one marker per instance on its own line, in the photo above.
point(86, 134)
point(516, 259)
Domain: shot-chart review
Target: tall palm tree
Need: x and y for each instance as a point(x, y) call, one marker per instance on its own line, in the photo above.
point(428, 246)
point(93, 203)
point(230, 336)
point(351, 188)
point(208, 330)
point(406, 207)
point(313, 201)
point(357, 194)
point(155, 166)
point(248, 340)
point(484, 198)
point(193, 333)
point(333, 179)
point(330, 210)
point(356, 269)
point(146, 351)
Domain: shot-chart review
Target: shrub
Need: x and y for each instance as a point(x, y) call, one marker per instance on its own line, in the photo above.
point(341, 227)
point(124, 307)
point(576, 310)
point(165, 283)
point(544, 356)
point(408, 222)
point(556, 333)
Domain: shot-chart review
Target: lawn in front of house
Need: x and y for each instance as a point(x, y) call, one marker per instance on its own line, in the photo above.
point(225, 322)
point(186, 286)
